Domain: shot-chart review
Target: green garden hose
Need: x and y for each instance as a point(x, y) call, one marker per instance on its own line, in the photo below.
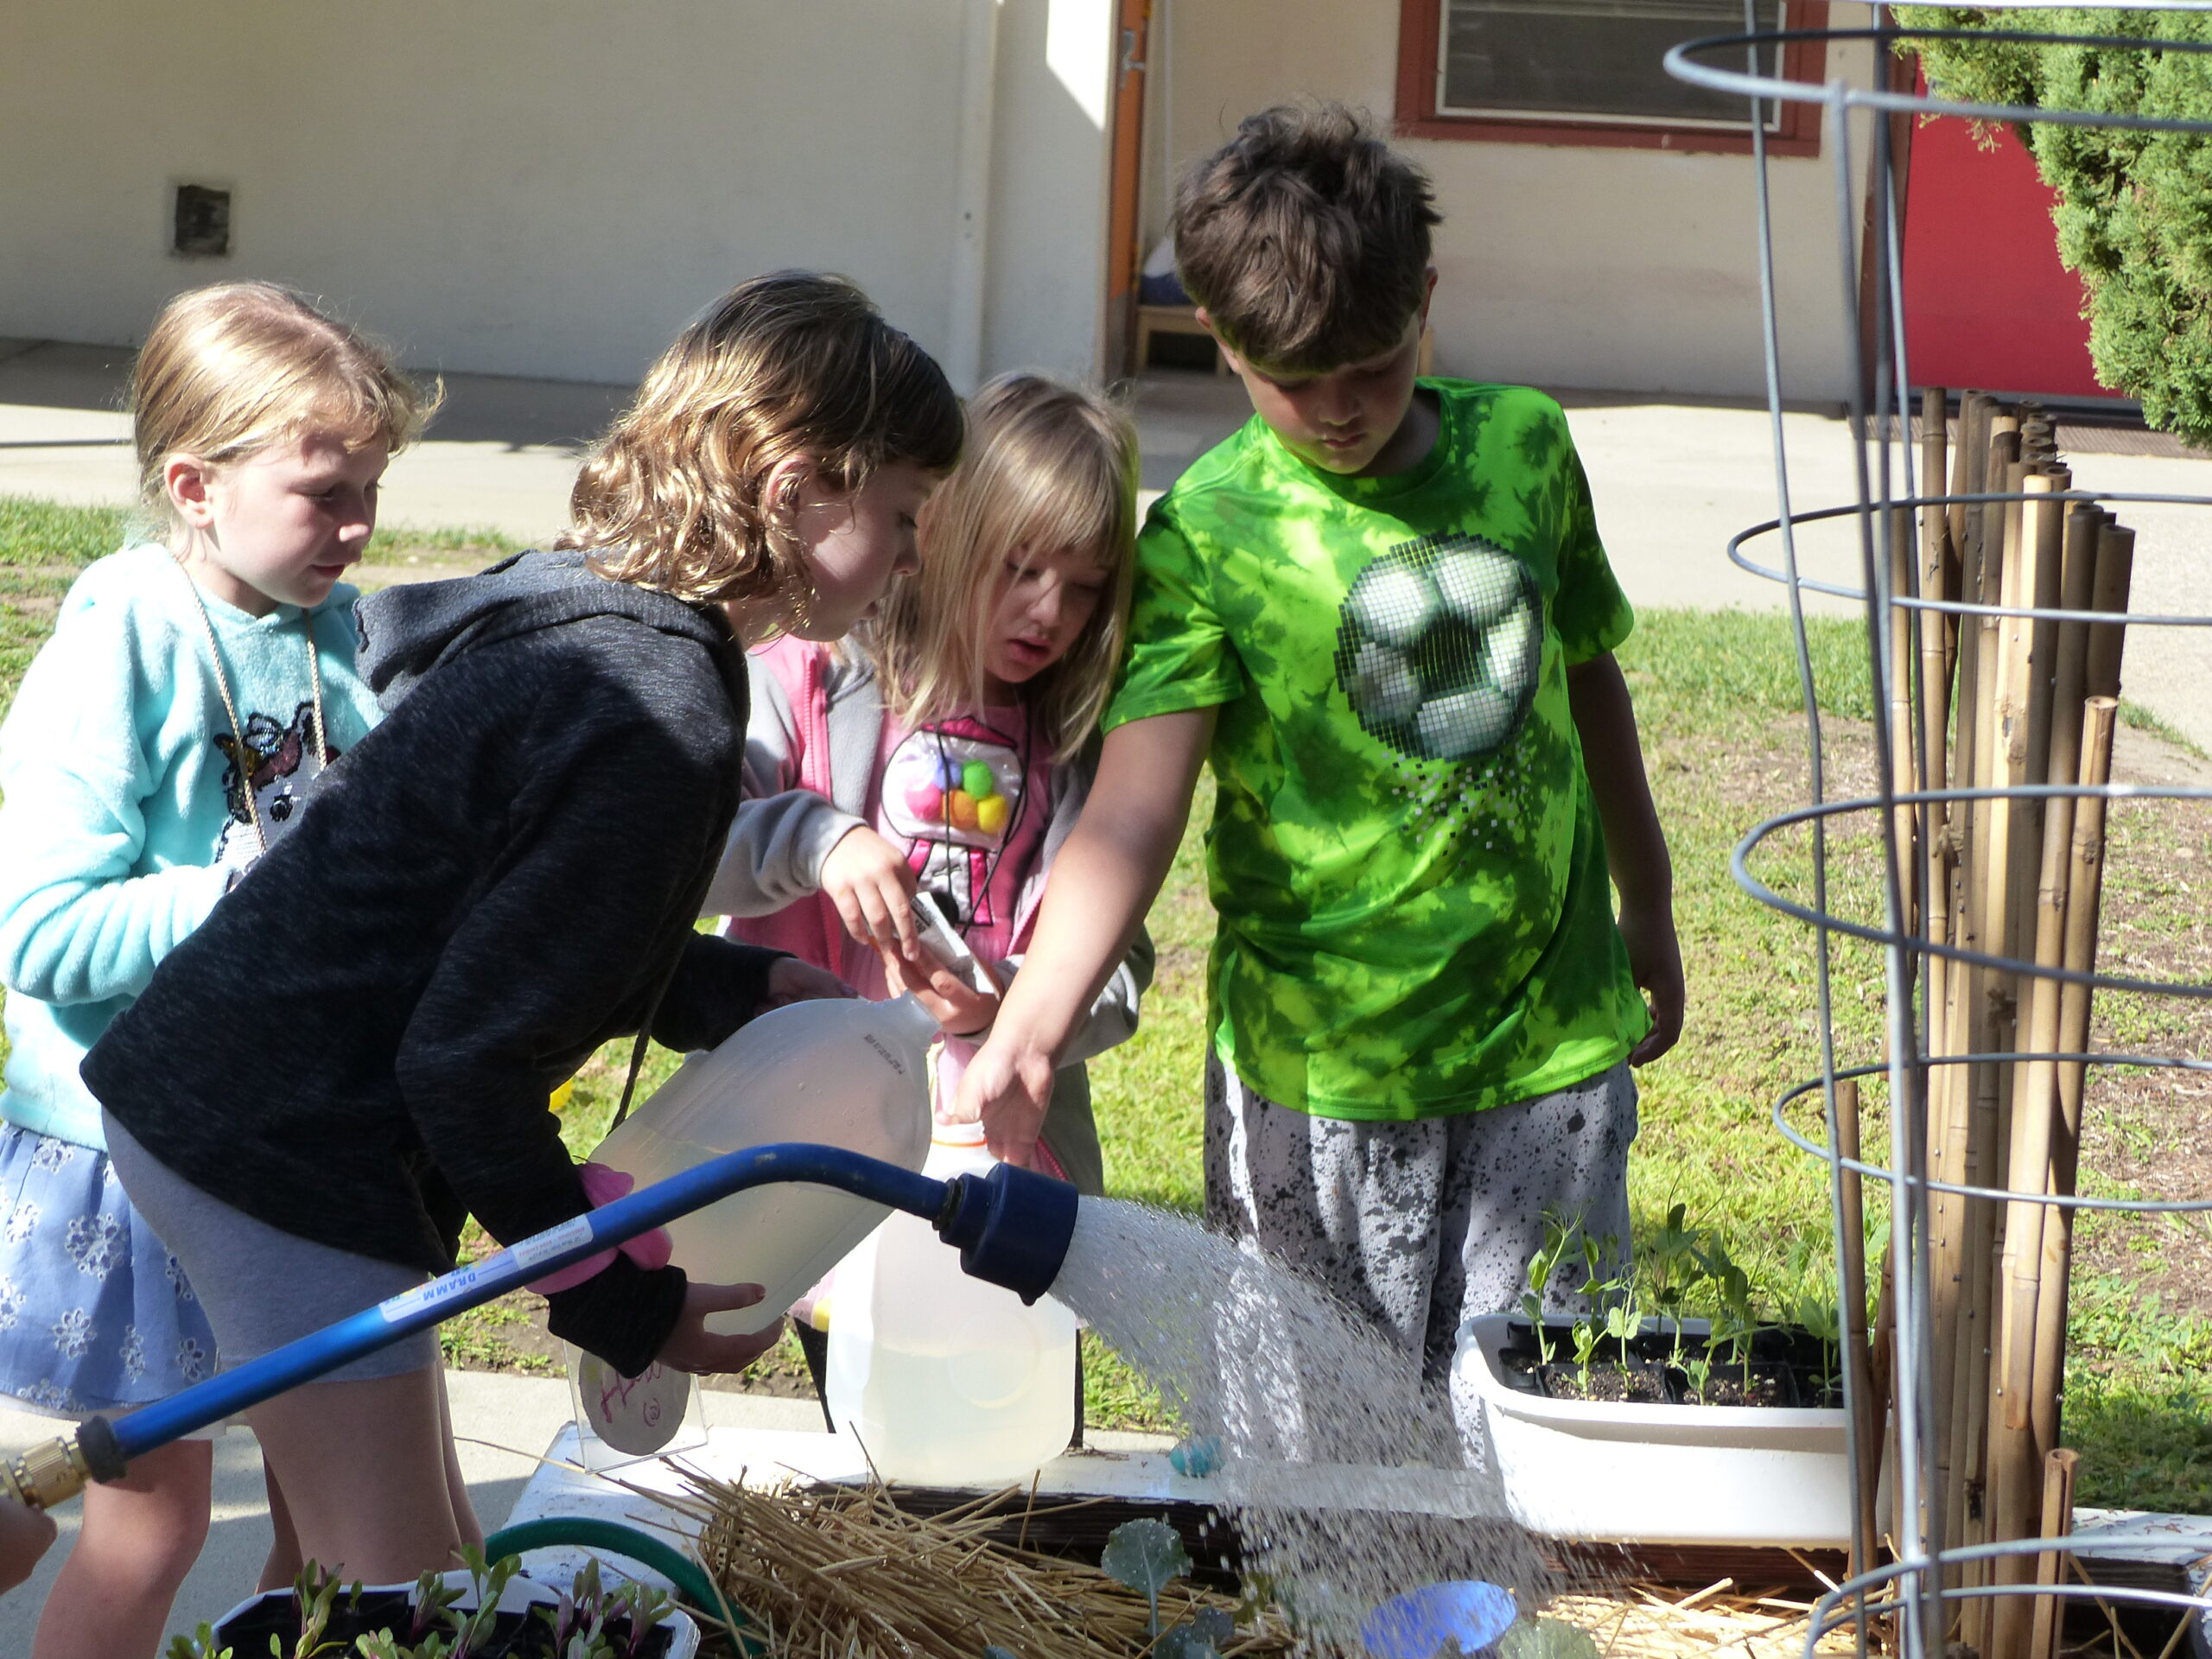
point(580, 1531)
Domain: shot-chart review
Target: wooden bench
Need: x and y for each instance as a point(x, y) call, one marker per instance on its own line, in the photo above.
point(1172, 319)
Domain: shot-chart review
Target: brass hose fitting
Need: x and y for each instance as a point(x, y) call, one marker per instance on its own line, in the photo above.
point(51, 1472)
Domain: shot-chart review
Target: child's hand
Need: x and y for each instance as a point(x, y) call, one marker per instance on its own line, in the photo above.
point(872, 886)
point(1006, 1089)
point(956, 1005)
point(25, 1533)
point(1655, 958)
point(692, 1347)
point(792, 980)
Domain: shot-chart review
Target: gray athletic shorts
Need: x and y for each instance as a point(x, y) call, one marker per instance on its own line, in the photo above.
point(262, 1286)
point(1421, 1225)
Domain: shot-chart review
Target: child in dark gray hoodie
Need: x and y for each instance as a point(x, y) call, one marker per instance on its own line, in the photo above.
point(504, 876)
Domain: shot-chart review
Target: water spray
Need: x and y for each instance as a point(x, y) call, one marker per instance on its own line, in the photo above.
point(1012, 1228)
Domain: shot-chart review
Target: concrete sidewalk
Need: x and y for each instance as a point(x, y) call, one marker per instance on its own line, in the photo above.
point(1673, 481)
point(503, 1425)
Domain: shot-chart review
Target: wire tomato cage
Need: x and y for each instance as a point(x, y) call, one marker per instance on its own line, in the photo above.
point(1993, 594)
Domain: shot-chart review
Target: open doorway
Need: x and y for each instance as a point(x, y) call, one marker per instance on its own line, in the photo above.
point(1124, 252)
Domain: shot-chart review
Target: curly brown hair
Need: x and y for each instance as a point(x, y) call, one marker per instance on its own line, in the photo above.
point(792, 364)
point(1306, 238)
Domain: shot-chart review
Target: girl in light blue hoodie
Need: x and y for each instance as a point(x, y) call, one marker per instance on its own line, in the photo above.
point(170, 730)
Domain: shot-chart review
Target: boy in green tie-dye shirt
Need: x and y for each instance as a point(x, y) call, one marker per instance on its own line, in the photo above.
point(1383, 612)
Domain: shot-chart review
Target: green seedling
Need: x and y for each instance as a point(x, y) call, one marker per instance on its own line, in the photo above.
point(1545, 1638)
point(1586, 1336)
point(1560, 1235)
point(1671, 1267)
point(385, 1645)
point(1698, 1370)
point(200, 1644)
point(1203, 1636)
point(645, 1608)
point(1823, 1319)
point(434, 1600)
point(1146, 1555)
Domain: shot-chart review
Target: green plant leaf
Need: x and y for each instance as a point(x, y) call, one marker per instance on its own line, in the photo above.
point(1146, 1555)
point(1545, 1638)
point(1202, 1636)
point(200, 1644)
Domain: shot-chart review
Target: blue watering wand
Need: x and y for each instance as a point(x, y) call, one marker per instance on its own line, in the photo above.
point(1012, 1229)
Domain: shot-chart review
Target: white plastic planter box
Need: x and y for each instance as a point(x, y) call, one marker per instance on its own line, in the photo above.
point(520, 1595)
point(1658, 1474)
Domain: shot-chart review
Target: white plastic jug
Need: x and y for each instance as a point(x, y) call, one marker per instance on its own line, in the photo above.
point(946, 1380)
point(838, 1072)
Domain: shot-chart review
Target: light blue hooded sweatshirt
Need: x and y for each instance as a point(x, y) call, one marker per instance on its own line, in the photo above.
point(122, 820)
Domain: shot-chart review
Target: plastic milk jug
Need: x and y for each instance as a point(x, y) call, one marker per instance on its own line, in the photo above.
point(836, 1072)
point(946, 1380)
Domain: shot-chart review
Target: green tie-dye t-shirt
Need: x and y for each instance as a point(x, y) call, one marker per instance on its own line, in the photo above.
point(1415, 914)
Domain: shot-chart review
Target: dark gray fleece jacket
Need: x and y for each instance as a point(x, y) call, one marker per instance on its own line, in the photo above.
point(492, 885)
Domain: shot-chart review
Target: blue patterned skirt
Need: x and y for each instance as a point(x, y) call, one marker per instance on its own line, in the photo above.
point(95, 1314)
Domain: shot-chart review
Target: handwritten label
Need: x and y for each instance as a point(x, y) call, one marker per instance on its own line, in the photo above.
point(637, 1415)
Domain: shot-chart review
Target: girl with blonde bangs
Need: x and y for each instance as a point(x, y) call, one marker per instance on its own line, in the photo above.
point(501, 877)
point(1052, 469)
point(194, 689)
point(949, 746)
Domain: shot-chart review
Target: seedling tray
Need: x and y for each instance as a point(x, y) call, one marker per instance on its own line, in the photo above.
point(520, 1633)
point(1653, 1473)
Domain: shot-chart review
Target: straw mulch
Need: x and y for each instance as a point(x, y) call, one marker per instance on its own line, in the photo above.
point(839, 1572)
point(1645, 1621)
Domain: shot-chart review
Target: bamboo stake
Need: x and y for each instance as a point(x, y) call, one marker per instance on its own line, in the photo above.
point(2013, 1455)
point(2039, 1122)
point(1938, 583)
point(1904, 736)
point(2057, 1522)
point(2100, 678)
point(1989, 1012)
point(2032, 576)
point(1951, 1113)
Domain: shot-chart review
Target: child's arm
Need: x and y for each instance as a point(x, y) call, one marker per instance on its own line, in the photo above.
point(76, 924)
point(25, 1535)
point(1102, 882)
point(1635, 847)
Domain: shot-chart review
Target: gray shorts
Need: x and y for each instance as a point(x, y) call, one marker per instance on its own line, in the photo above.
point(262, 1286)
point(1419, 1225)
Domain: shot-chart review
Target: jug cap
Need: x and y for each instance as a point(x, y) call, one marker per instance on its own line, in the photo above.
point(942, 1133)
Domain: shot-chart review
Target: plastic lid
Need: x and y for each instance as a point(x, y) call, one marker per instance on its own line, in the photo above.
point(942, 1133)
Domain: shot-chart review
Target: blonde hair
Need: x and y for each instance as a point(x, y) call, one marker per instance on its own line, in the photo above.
point(227, 371)
point(793, 363)
point(1048, 468)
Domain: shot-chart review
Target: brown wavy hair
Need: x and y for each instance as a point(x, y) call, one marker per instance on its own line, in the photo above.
point(792, 364)
point(1048, 467)
point(228, 370)
point(1305, 238)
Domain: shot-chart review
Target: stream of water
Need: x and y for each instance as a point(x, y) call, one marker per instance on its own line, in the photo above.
point(1347, 1478)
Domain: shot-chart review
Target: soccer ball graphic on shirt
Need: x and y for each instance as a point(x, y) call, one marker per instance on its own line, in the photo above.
point(1438, 647)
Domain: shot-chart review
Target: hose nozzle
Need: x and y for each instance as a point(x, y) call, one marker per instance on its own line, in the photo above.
point(1012, 1227)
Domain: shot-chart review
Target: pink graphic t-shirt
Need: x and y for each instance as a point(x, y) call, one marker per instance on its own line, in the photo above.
point(966, 800)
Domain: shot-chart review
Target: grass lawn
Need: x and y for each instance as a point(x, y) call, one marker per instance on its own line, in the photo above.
point(1718, 699)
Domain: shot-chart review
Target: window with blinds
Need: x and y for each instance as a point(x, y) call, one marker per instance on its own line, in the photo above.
point(1544, 70)
point(1587, 58)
